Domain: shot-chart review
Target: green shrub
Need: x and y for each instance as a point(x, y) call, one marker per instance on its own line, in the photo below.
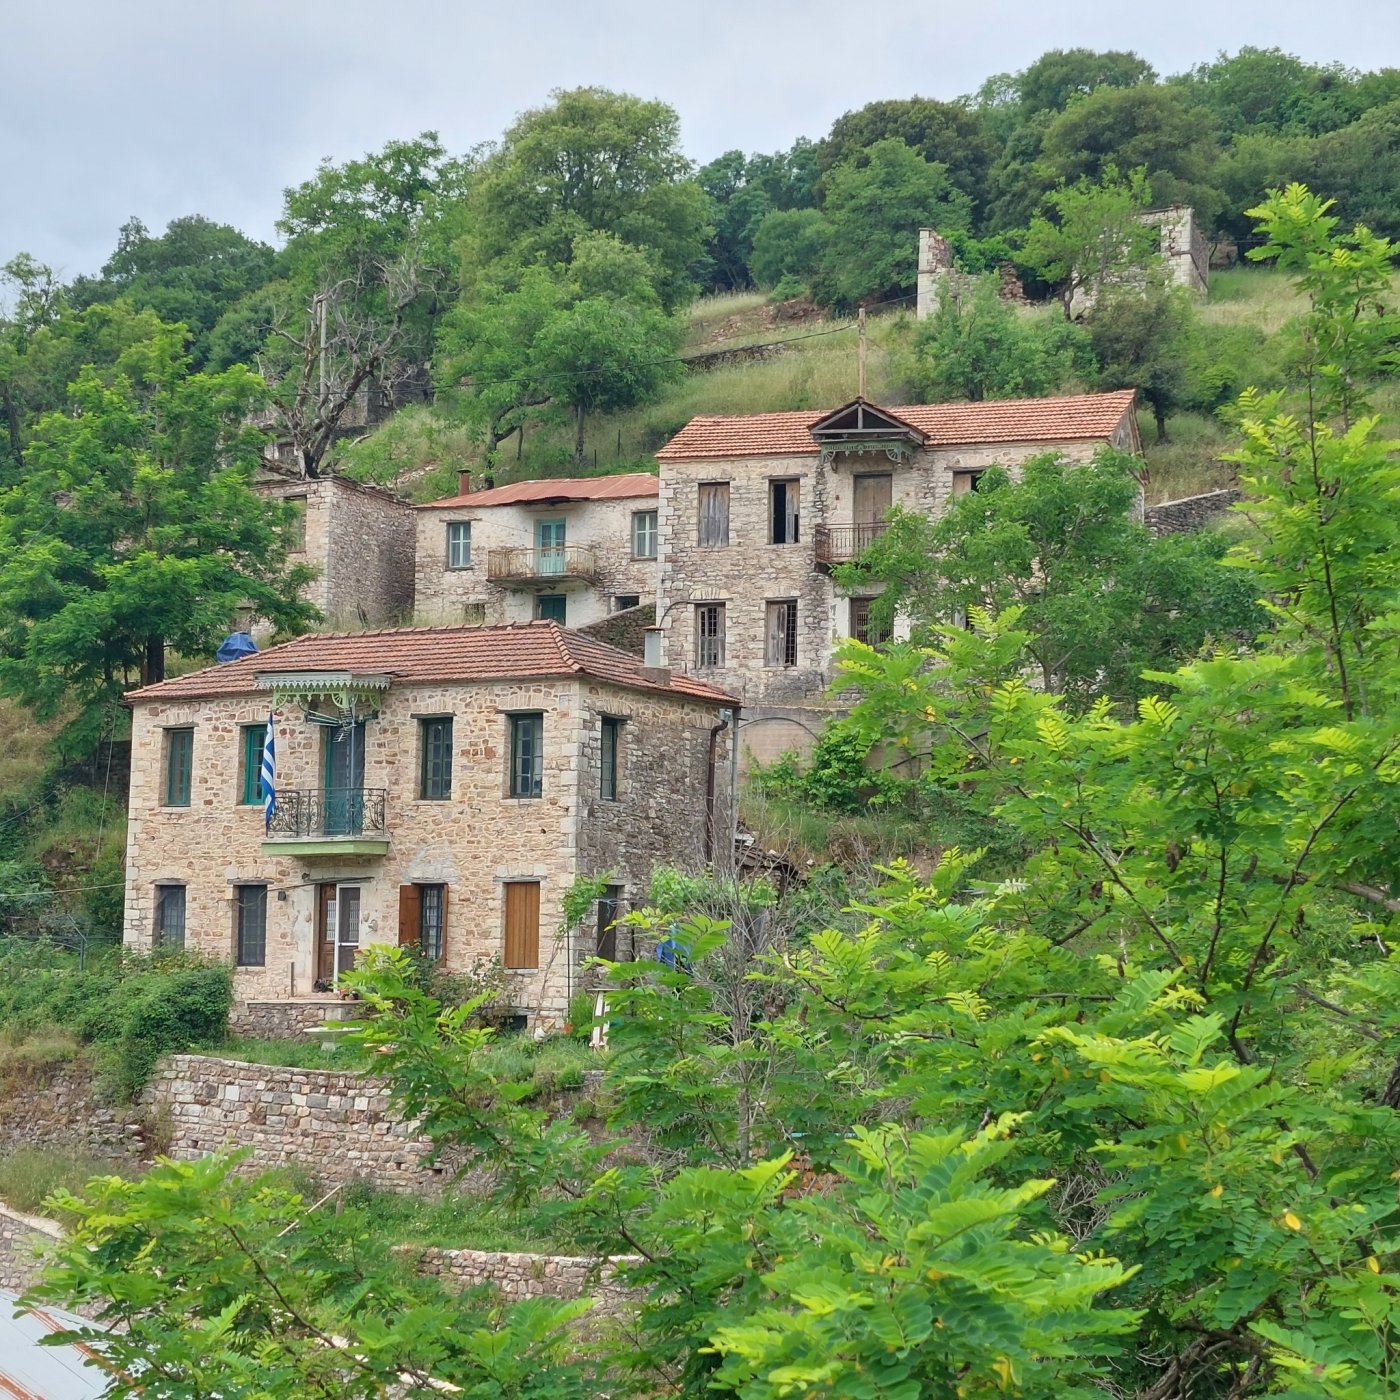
point(29, 1175)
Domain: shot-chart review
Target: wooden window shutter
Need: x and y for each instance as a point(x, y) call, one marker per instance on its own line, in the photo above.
point(443, 954)
point(522, 919)
point(410, 902)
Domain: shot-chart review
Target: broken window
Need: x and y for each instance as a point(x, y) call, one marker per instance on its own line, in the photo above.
point(864, 627)
point(709, 634)
point(781, 644)
point(963, 482)
point(714, 514)
point(782, 510)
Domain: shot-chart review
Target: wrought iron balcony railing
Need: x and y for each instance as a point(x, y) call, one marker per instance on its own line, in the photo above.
point(329, 812)
point(541, 565)
point(835, 544)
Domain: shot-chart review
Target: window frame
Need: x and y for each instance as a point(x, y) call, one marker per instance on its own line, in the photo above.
point(430, 732)
point(178, 739)
point(250, 793)
point(967, 482)
point(561, 598)
point(788, 523)
point(860, 623)
point(449, 564)
point(240, 929)
point(516, 722)
point(610, 757)
point(297, 544)
point(611, 907)
point(438, 891)
point(639, 531)
point(711, 659)
point(785, 636)
point(713, 521)
point(160, 940)
point(621, 605)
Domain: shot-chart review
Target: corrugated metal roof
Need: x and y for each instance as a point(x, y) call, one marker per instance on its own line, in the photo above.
point(31, 1371)
point(559, 488)
point(1065, 418)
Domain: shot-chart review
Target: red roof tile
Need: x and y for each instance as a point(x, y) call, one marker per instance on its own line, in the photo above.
point(559, 488)
point(1062, 419)
point(516, 651)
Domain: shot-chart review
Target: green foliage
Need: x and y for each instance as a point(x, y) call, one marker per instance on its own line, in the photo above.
point(132, 1011)
point(1141, 336)
point(979, 347)
point(788, 248)
point(835, 777)
point(871, 207)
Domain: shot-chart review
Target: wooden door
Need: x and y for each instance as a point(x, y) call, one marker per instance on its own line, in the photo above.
point(522, 925)
point(325, 933)
point(874, 493)
point(347, 927)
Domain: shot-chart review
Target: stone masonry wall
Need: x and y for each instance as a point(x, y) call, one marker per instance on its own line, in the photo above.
point(62, 1110)
point(1190, 512)
point(443, 595)
point(280, 1020)
point(22, 1237)
point(520, 1276)
point(625, 630)
point(337, 1126)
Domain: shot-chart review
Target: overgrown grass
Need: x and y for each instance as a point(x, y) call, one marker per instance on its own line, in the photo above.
point(29, 1175)
point(453, 1221)
point(31, 1059)
point(1188, 463)
point(328, 1051)
point(24, 752)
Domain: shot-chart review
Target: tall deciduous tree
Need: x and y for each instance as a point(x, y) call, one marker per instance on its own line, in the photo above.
point(1141, 333)
point(135, 529)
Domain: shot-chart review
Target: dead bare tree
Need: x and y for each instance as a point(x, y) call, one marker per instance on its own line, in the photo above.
point(354, 330)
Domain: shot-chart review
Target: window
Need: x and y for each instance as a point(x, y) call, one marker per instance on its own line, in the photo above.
point(864, 628)
point(435, 771)
point(170, 916)
point(179, 763)
point(459, 544)
point(782, 511)
point(623, 601)
point(250, 904)
point(250, 793)
point(522, 926)
point(296, 529)
point(714, 514)
point(432, 921)
point(609, 912)
point(963, 482)
point(526, 755)
point(709, 634)
point(780, 645)
point(551, 606)
point(474, 614)
point(607, 766)
point(644, 534)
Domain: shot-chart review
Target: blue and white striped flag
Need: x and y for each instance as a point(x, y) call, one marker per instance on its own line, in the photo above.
point(269, 777)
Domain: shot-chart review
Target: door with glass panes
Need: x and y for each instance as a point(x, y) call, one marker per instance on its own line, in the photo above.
point(549, 546)
point(337, 931)
point(343, 798)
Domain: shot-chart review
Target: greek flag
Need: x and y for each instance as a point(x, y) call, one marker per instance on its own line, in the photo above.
point(269, 777)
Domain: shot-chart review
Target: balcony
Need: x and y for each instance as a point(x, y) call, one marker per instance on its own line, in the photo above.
point(570, 561)
point(329, 822)
point(838, 544)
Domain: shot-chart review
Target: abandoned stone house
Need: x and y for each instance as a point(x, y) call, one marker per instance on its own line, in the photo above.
point(360, 541)
point(755, 511)
point(437, 787)
point(570, 550)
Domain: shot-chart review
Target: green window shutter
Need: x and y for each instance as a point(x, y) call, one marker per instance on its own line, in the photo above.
point(254, 738)
point(179, 762)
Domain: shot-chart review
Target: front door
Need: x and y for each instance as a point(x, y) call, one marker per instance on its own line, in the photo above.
point(873, 497)
point(549, 546)
point(342, 809)
point(337, 930)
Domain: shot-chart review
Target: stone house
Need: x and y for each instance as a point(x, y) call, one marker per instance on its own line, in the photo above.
point(440, 787)
point(360, 540)
point(570, 550)
point(755, 511)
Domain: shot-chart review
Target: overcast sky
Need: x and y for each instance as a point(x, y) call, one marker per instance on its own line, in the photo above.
point(159, 108)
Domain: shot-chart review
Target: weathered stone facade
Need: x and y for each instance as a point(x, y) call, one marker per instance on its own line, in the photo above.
point(786, 696)
point(1190, 512)
point(935, 270)
point(625, 630)
point(475, 845)
point(62, 1110)
point(283, 1019)
point(602, 573)
point(361, 542)
point(519, 1276)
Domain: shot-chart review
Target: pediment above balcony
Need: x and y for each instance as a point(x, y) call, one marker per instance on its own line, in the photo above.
point(860, 427)
point(341, 696)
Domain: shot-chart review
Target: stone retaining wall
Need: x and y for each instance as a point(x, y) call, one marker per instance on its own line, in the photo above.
point(60, 1109)
point(21, 1238)
point(1190, 512)
point(528, 1275)
point(283, 1020)
point(335, 1125)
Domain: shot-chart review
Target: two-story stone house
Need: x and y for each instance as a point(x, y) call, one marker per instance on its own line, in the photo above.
point(441, 787)
point(754, 512)
point(569, 550)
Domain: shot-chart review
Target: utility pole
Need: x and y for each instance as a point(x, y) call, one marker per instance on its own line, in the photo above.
point(860, 354)
point(321, 386)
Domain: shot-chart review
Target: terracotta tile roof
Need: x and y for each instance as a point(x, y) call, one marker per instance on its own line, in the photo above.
point(559, 488)
point(1062, 419)
point(516, 651)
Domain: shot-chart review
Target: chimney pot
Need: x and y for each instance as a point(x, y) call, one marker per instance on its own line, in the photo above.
point(464, 483)
point(651, 646)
